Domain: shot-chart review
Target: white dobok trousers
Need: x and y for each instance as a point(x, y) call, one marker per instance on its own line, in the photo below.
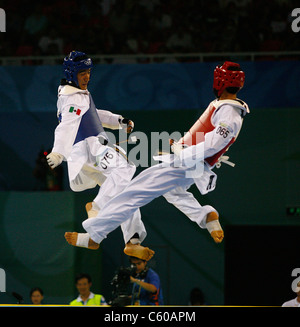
point(151, 183)
point(109, 169)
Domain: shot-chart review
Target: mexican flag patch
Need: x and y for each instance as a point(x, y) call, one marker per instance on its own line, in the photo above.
point(77, 111)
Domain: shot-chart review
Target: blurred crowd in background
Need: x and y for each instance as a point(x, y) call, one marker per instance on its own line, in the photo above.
point(147, 26)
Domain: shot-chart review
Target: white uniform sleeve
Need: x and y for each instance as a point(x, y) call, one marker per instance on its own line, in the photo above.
point(108, 119)
point(66, 131)
point(228, 122)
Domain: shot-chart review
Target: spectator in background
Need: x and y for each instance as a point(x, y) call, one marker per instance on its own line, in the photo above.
point(36, 296)
point(118, 24)
point(83, 284)
point(51, 41)
point(150, 5)
point(196, 297)
point(106, 6)
point(229, 36)
point(179, 41)
point(161, 20)
point(47, 179)
point(278, 24)
point(36, 23)
point(296, 301)
point(154, 20)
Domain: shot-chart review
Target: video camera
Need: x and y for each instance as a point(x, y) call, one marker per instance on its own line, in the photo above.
point(121, 290)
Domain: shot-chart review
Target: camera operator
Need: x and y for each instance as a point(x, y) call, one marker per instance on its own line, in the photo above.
point(146, 288)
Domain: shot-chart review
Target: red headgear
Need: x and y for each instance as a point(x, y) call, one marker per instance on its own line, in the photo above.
point(224, 77)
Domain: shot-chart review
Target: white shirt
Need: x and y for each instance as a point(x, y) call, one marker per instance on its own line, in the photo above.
point(291, 303)
point(91, 296)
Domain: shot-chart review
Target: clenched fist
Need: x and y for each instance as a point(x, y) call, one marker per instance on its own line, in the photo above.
point(130, 126)
point(54, 159)
point(129, 123)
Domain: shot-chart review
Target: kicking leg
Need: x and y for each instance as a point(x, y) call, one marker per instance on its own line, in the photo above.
point(130, 227)
point(187, 204)
point(134, 233)
point(133, 227)
point(148, 185)
point(115, 182)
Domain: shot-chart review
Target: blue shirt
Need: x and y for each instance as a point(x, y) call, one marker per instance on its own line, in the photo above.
point(142, 297)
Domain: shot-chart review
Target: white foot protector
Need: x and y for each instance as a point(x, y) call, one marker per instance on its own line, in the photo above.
point(83, 240)
point(213, 225)
point(94, 210)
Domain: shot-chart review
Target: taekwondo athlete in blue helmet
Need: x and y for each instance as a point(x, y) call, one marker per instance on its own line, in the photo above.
point(80, 139)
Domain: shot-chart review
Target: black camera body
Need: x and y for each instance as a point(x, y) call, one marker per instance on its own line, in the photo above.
point(121, 290)
point(121, 284)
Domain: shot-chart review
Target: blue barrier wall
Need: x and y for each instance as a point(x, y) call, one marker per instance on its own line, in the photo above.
point(149, 86)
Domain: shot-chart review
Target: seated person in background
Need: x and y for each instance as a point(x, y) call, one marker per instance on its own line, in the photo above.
point(295, 302)
point(36, 295)
point(83, 284)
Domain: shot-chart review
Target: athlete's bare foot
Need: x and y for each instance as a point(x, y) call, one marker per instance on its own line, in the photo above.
point(217, 235)
point(216, 230)
point(71, 238)
point(138, 251)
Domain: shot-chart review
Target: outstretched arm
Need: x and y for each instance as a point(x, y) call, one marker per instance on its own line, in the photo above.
point(114, 121)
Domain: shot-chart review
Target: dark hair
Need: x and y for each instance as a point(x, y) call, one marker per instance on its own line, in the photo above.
point(232, 90)
point(36, 289)
point(83, 275)
point(136, 258)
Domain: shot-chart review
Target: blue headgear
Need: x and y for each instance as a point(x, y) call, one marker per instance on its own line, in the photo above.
point(75, 62)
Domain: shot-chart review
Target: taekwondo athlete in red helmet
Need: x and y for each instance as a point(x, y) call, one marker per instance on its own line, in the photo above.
point(80, 139)
point(195, 156)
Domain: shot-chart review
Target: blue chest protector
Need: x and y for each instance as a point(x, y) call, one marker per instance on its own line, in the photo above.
point(90, 124)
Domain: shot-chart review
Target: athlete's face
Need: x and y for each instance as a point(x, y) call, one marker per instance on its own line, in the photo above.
point(83, 78)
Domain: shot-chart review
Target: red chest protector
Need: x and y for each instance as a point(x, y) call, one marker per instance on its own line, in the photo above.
point(204, 125)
